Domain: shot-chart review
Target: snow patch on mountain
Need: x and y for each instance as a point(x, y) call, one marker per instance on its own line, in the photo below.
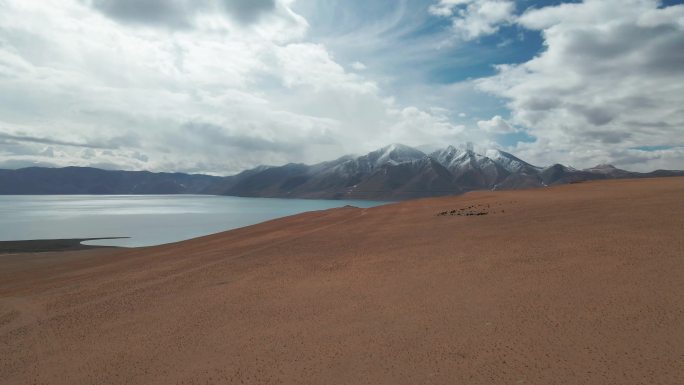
point(510, 162)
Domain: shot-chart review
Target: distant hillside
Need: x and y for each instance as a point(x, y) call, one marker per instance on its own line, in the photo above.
point(393, 172)
point(85, 180)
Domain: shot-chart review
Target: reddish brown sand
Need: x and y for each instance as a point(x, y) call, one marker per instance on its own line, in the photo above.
point(579, 284)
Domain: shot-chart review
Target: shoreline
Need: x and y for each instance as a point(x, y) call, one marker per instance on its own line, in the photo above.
point(51, 245)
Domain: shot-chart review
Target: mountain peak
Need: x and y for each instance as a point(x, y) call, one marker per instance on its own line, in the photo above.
point(604, 166)
point(606, 169)
point(446, 155)
point(510, 162)
point(493, 152)
point(395, 153)
point(399, 147)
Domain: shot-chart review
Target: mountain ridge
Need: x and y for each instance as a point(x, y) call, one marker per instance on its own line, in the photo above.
point(394, 172)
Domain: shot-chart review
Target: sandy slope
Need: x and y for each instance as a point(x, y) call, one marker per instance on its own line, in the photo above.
point(579, 284)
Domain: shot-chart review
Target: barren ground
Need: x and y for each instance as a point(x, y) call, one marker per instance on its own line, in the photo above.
point(577, 284)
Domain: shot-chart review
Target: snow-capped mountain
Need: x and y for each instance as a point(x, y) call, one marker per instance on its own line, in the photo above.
point(510, 162)
point(400, 172)
point(392, 172)
point(393, 154)
point(470, 169)
point(390, 155)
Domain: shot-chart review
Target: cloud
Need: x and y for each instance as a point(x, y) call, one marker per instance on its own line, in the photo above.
point(182, 13)
point(215, 86)
point(49, 152)
point(446, 8)
point(249, 10)
point(496, 125)
point(23, 163)
point(472, 19)
point(609, 79)
point(173, 13)
point(357, 65)
point(219, 96)
point(209, 133)
point(104, 143)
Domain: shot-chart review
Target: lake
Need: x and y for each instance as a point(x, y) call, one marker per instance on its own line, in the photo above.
point(147, 219)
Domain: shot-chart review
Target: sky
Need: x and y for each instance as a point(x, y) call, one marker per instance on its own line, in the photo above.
point(220, 86)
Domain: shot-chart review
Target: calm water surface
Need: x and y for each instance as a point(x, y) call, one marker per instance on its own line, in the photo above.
point(147, 219)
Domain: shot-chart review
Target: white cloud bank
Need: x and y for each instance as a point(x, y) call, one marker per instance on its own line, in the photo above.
point(611, 79)
point(475, 18)
point(203, 86)
point(496, 125)
point(222, 85)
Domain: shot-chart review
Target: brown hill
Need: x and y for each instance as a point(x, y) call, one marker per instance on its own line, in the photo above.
point(575, 284)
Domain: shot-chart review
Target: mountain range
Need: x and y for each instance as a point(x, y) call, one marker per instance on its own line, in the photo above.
point(394, 172)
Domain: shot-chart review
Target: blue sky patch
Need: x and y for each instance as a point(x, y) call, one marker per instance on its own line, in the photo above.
point(511, 140)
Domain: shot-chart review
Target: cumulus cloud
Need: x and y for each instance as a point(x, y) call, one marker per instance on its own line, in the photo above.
point(218, 86)
point(357, 65)
point(609, 79)
point(475, 18)
point(496, 125)
point(445, 8)
point(228, 92)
